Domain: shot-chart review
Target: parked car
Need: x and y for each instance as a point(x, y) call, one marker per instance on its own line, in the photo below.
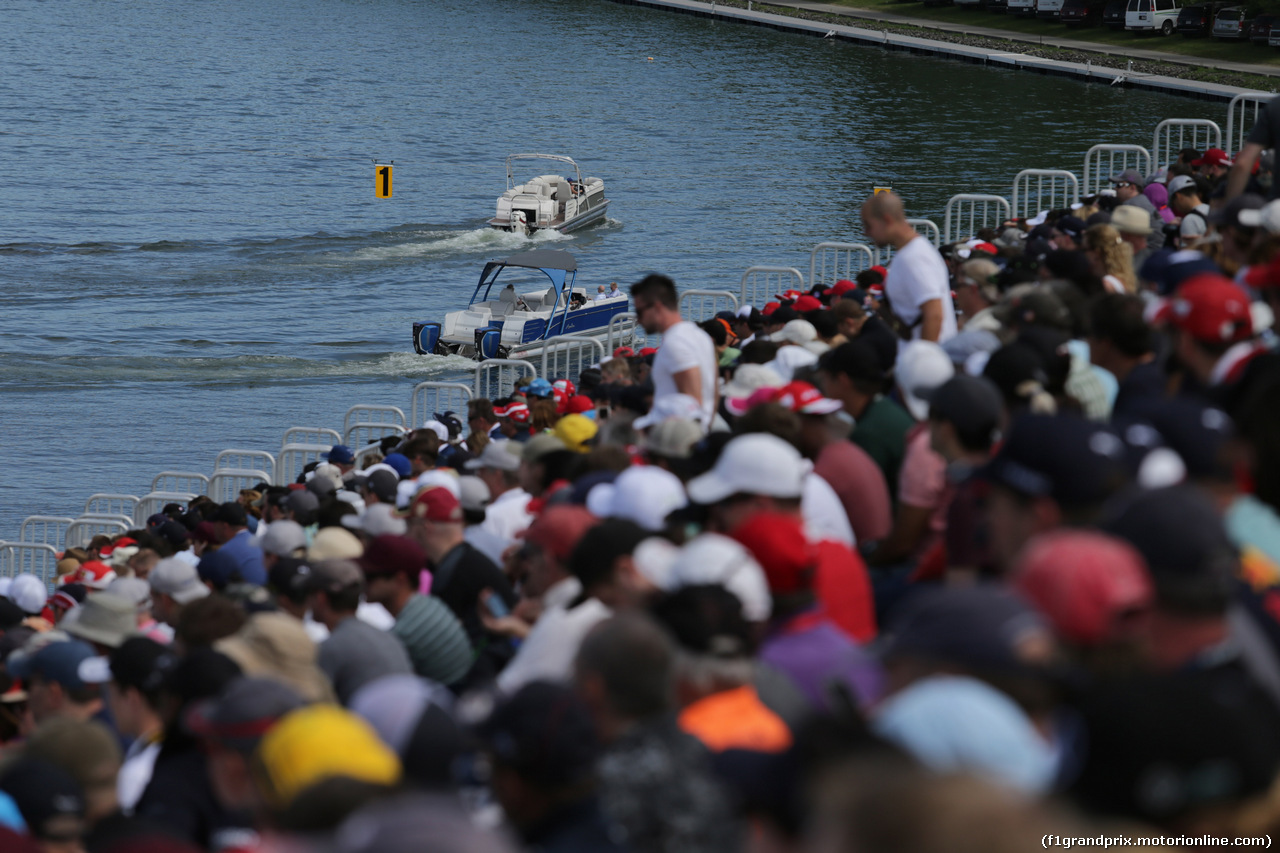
point(1082, 13)
point(1233, 22)
point(1260, 32)
point(1113, 13)
point(1049, 10)
point(1022, 8)
point(998, 6)
point(1195, 20)
point(1274, 38)
point(1158, 16)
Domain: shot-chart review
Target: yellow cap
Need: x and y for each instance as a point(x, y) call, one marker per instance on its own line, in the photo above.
point(321, 742)
point(575, 431)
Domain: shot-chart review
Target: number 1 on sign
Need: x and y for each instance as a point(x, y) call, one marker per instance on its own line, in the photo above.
point(382, 183)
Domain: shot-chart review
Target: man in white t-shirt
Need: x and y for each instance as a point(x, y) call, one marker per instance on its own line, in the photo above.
point(918, 287)
point(686, 361)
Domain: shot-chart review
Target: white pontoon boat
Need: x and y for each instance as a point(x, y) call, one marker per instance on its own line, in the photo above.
point(549, 201)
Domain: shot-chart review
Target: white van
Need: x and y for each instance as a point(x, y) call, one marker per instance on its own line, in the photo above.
point(1050, 10)
point(1025, 8)
point(1159, 16)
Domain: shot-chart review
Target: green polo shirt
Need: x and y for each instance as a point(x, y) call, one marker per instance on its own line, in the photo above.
point(882, 432)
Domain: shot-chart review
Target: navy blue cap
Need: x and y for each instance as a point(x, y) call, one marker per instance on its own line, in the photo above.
point(544, 733)
point(982, 628)
point(399, 463)
point(1072, 226)
point(217, 568)
point(57, 661)
point(340, 454)
point(1193, 429)
point(44, 792)
point(1168, 268)
point(1064, 457)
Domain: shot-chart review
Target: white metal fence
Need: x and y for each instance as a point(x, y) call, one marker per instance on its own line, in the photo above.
point(831, 261)
point(1043, 189)
point(1242, 113)
point(311, 435)
point(33, 558)
point(81, 531)
point(1103, 162)
point(294, 457)
point(761, 283)
point(497, 377)
point(624, 330)
point(45, 529)
point(1174, 134)
point(968, 213)
point(105, 503)
point(566, 356)
point(365, 424)
point(180, 482)
point(152, 502)
point(432, 397)
point(234, 470)
point(699, 305)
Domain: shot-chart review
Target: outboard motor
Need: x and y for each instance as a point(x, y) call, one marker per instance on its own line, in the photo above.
point(519, 222)
point(488, 341)
point(425, 337)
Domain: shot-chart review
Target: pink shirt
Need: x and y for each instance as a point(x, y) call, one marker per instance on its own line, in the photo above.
point(922, 482)
point(861, 487)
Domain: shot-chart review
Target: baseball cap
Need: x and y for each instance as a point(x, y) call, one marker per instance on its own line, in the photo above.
point(672, 438)
point(1213, 157)
point(779, 544)
point(558, 529)
point(540, 446)
point(395, 704)
point(28, 592)
point(178, 580)
point(544, 733)
point(1090, 586)
point(1131, 219)
point(94, 574)
point(1267, 216)
point(473, 494)
point(391, 554)
point(103, 618)
point(57, 661)
point(800, 397)
point(1128, 176)
point(1180, 183)
point(282, 538)
point(1193, 429)
point(1072, 226)
point(437, 504)
point(441, 431)
point(576, 431)
point(138, 662)
point(706, 620)
point(334, 543)
point(758, 463)
point(972, 404)
point(319, 742)
point(1229, 213)
point(807, 303)
point(49, 798)
point(330, 575)
point(714, 559)
point(922, 367)
point(749, 378)
point(339, 454)
point(399, 463)
point(1212, 308)
point(1035, 305)
point(1065, 457)
point(136, 590)
point(539, 388)
point(497, 455)
point(642, 494)
point(376, 520)
point(243, 712)
point(302, 501)
point(383, 483)
point(984, 628)
point(231, 513)
point(796, 332)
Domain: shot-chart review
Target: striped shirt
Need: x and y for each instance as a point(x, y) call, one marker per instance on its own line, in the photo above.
point(434, 638)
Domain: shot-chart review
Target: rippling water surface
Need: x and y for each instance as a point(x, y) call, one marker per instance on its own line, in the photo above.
point(192, 257)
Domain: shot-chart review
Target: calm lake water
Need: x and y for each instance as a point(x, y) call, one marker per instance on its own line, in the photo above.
point(192, 257)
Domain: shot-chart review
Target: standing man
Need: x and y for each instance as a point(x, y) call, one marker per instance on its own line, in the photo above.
point(686, 361)
point(918, 286)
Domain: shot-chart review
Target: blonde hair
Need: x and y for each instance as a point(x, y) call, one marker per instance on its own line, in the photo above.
point(1116, 254)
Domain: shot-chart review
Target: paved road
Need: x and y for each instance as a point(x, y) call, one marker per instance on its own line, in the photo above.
point(1026, 38)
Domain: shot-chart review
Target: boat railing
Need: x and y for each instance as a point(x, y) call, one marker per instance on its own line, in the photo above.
point(431, 397)
point(699, 305)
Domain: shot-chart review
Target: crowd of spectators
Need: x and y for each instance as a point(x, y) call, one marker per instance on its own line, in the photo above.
point(977, 550)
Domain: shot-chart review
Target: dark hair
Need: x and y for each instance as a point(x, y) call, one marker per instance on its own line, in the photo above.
point(480, 408)
point(331, 511)
point(593, 558)
point(1257, 419)
point(1117, 318)
point(344, 600)
point(207, 620)
point(633, 658)
point(658, 289)
point(771, 418)
point(715, 328)
point(424, 445)
point(824, 323)
point(866, 278)
point(758, 352)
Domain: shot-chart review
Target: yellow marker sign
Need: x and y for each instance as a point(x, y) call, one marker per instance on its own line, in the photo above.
point(883, 190)
point(382, 181)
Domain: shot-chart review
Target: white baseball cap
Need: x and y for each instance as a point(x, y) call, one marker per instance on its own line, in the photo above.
point(714, 559)
point(758, 464)
point(643, 494)
point(922, 367)
point(1268, 217)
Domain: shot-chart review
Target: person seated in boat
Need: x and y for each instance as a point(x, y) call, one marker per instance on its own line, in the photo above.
point(614, 293)
point(600, 294)
point(577, 300)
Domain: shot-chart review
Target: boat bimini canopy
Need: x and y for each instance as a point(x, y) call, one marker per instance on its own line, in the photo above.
point(568, 161)
point(555, 264)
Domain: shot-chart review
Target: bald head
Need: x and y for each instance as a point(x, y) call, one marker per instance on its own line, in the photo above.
point(884, 206)
point(884, 221)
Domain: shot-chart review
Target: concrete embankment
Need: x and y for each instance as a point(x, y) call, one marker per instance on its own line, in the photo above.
point(983, 55)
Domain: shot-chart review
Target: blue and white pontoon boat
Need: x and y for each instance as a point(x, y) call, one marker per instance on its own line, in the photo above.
point(549, 201)
point(515, 323)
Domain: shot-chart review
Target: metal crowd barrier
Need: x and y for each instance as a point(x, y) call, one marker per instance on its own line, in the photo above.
point(45, 530)
point(1043, 189)
point(761, 283)
point(1242, 113)
point(699, 305)
point(497, 377)
point(111, 504)
point(566, 356)
point(831, 261)
point(1103, 162)
point(967, 213)
point(1197, 133)
point(431, 397)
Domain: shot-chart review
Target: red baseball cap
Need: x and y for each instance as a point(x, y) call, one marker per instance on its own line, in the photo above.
point(800, 397)
point(790, 295)
point(1092, 587)
point(884, 271)
point(1264, 275)
point(984, 246)
point(779, 545)
point(843, 286)
point(578, 404)
point(623, 352)
point(434, 503)
point(770, 307)
point(518, 412)
point(647, 351)
point(389, 554)
point(566, 386)
point(1213, 309)
point(1213, 157)
point(558, 529)
point(807, 303)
